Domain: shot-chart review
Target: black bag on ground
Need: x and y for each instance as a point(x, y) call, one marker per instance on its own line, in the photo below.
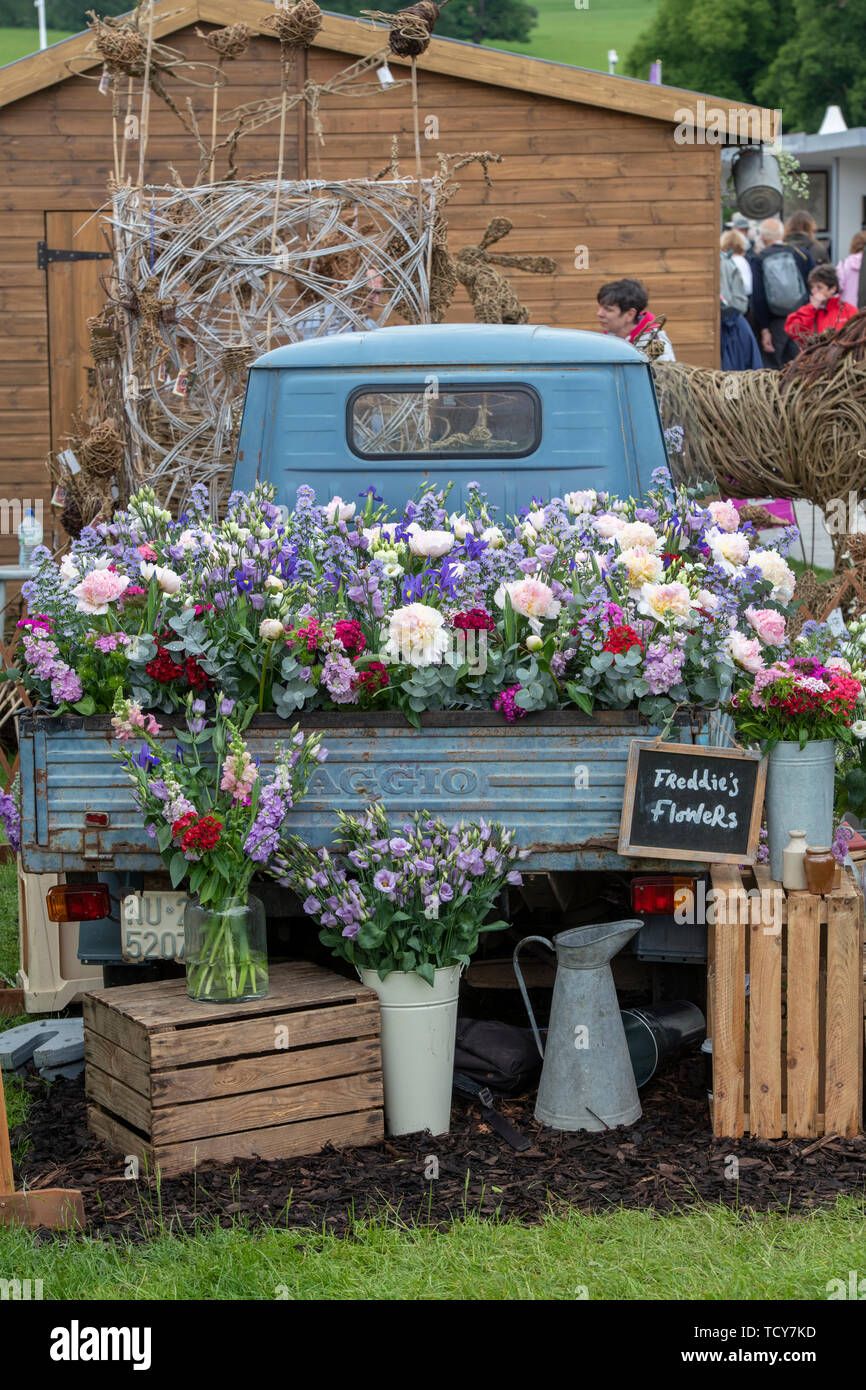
point(497, 1055)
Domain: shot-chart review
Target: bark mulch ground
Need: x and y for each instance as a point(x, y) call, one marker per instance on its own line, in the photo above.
point(669, 1159)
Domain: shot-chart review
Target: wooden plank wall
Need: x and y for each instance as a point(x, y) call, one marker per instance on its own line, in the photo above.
point(574, 176)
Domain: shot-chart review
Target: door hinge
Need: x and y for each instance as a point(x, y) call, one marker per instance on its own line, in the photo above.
point(46, 254)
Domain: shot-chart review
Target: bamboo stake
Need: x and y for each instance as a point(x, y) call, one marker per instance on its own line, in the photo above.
point(415, 122)
point(128, 114)
point(213, 120)
point(115, 103)
point(283, 109)
point(145, 98)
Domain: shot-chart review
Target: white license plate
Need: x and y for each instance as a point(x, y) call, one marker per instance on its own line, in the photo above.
point(152, 926)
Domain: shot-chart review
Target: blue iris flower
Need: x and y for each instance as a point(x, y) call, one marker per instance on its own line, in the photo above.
point(243, 582)
point(473, 548)
point(370, 492)
point(146, 759)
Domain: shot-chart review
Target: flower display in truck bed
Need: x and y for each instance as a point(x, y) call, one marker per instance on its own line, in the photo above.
point(587, 600)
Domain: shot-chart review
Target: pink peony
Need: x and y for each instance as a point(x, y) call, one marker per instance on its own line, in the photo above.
point(725, 516)
point(530, 597)
point(608, 525)
point(98, 589)
point(746, 651)
point(767, 624)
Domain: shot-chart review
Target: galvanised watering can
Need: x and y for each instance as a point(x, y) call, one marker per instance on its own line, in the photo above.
point(587, 1081)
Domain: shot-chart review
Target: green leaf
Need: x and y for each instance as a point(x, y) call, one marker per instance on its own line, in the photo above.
point(581, 698)
point(177, 868)
point(426, 970)
point(86, 705)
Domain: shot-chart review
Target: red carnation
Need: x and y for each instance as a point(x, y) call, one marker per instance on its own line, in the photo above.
point(621, 639)
point(197, 678)
point(374, 678)
point(203, 836)
point(180, 826)
point(163, 667)
point(348, 632)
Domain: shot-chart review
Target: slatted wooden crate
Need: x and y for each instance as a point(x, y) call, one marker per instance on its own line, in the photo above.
point(179, 1082)
point(787, 1057)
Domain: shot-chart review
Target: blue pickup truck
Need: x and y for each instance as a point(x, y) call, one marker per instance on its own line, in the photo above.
point(527, 412)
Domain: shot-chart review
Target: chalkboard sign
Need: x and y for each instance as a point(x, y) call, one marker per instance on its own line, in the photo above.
point(687, 801)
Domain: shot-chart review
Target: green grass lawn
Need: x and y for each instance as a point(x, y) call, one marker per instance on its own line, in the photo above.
point(18, 43)
point(566, 34)
point(563, 33)
point(704, 1254)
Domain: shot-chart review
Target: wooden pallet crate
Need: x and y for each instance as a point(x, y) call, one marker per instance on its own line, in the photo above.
point(787, 1056)
point(178, 1083)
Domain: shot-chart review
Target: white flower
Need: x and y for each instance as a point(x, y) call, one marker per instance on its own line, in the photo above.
point(643, 566)
point(167, 579)
point(494, 537)
point(271, 629)
point(707, 600)
point(416, 635)
point(578, 502)
point(730, 549)
point(460, 525)
point(838, 663)
point(274, 582)
point(776, 569)
point(534, 643)
point(638, 533)
point(338, 510)
point(431, 544)
point(858, 728)
point(530, 597)
point(69, 569)
point(188, 540)
point(393, 570)
point(537, 520)
point(666, 601)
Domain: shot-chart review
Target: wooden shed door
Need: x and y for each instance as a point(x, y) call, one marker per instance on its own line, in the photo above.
point(74, 294)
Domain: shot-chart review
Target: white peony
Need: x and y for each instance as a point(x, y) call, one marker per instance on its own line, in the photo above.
point(494, 537)
point(430, 544)
point(775, 568)
point(638, 533)
point(460, 525)
point(666, 602)
point(608, 525)
point(642, 566)
point(416, 635)
point(730, 549)
point(271, 629)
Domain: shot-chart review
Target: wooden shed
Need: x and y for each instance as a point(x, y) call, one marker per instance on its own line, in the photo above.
point(592, 175)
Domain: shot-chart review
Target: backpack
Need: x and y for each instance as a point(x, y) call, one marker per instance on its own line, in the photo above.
point(783, 283)
point(733, 286)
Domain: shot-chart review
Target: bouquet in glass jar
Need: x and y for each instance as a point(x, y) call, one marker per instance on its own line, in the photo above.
point(215, 820)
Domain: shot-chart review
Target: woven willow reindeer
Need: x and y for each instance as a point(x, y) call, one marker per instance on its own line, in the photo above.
point(493, 297)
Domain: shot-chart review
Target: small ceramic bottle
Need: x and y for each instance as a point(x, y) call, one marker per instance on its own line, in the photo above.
point(793, 869)
point(820, 867)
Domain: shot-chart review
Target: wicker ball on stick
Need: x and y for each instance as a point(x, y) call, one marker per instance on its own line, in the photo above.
point(411, 29)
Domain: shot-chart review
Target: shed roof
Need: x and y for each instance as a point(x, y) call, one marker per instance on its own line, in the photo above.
point(454, 344)
point(450, 56)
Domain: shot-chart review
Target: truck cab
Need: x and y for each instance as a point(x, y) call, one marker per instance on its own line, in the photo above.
point(523, 411)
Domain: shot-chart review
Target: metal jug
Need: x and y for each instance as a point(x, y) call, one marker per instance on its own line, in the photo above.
point(587, 1081)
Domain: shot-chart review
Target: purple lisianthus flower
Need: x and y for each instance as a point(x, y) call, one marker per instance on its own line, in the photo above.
point(312, 906)
point(514, 877)
point(329, 920)
point(226, 706)
point(399, 846)
point(198, 706)
point(385, 881)
point(352, 930)
point(446, 892)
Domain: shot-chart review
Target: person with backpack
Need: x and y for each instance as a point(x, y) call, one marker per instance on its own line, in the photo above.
point(801, 230)
point(731, 278)
point(852, 273)
point(779, 276)
point(740, 351)
point(825, 310)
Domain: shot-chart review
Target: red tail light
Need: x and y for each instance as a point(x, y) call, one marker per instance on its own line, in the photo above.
point(84, 902)
point(659, 893)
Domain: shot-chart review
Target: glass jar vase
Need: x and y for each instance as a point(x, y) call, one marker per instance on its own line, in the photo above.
point(226, 950)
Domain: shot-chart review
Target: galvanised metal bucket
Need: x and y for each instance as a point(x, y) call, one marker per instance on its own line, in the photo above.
point(799, 795)
point(587, 1081)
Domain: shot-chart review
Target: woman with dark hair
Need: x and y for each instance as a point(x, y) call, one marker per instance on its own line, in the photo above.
point(800, 230)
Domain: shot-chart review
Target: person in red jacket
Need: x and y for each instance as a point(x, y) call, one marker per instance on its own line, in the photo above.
point(826, 308)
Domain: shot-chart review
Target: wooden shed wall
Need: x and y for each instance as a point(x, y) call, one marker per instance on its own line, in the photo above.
point(573, 176)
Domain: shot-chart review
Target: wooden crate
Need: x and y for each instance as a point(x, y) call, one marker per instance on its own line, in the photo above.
point(179, 1082)
point(787, 1058)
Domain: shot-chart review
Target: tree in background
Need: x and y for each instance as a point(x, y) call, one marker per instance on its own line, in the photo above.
point(821, 63)
point(724, 49)
point(473, 20)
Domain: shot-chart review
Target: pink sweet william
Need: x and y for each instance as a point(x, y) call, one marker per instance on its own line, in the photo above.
point(98, 589)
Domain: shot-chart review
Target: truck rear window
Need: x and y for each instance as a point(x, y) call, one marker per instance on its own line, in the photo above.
point(460, 422)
